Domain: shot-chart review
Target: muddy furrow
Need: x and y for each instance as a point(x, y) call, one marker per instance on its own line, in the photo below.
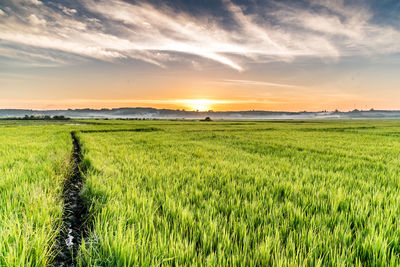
point(75, 212)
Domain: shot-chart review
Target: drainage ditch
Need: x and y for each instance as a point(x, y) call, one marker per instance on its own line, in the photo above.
point(75, 213)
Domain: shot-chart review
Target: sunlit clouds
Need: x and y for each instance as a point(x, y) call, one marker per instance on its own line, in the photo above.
point(200, 55)
point(115, 30)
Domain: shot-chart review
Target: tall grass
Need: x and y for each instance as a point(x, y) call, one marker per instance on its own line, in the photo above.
point(219, 193)
point(33, 162)
point(250, 194)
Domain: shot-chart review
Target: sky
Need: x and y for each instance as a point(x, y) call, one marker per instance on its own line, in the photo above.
point(200, 54)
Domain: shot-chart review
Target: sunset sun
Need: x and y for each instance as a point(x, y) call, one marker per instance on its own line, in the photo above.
point(199, 104)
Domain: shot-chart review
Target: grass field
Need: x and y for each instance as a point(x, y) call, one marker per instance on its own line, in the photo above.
point(207, 193)
point(33, 164)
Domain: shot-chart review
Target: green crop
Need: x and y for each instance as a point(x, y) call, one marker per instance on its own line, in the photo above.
point(33, 163)
point(241, 193)
point(250, 194)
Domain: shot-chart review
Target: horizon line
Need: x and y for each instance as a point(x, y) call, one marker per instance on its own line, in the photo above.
point(205, 111)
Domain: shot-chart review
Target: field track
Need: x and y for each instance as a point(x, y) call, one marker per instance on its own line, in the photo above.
point(75, 211)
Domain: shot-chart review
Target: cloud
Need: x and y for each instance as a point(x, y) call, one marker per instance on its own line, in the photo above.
point(348, 28)
point(114, 30)
point(257, 83)
point(35, 21)
point(68, 11)
point(35, 2)
point(31, 57)
point(154, 29)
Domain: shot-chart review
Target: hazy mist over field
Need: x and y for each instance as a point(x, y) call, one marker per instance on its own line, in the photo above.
point(152, 113)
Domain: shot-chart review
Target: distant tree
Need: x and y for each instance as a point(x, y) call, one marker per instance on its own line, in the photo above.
point(60, 117)
point(207, 119)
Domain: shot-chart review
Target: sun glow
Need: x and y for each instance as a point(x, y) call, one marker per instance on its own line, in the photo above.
point(201, 104)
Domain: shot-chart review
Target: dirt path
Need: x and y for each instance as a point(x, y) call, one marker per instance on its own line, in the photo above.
point(75, 212)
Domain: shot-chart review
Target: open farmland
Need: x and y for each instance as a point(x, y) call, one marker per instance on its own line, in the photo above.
point(206, 193)
point(33, 164)
point(244, 193)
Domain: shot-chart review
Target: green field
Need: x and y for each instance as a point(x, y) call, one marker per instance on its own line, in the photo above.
point(33, 164)
point(250, 193)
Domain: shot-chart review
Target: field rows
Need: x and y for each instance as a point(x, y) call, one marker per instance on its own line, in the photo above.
point(33, 164)
point(223, 193)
